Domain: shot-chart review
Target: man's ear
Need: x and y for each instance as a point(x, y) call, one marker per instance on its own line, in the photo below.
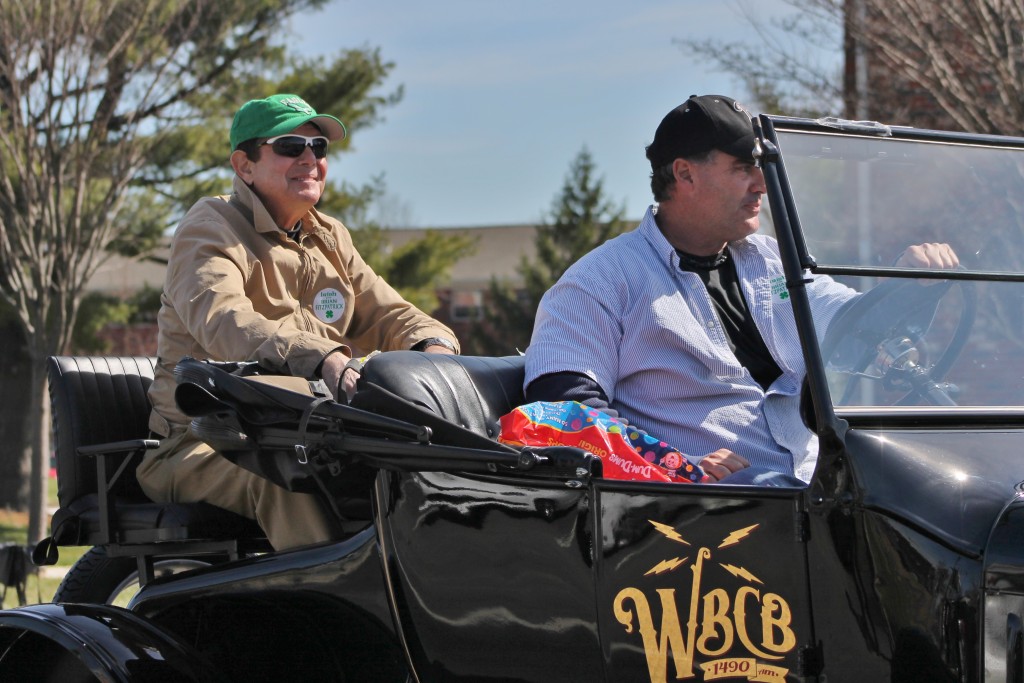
point(243, 166)
point(683, 171)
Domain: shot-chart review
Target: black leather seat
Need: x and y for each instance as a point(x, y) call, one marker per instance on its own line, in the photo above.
point(470, 392)
point(461, 399)
point(100, 414)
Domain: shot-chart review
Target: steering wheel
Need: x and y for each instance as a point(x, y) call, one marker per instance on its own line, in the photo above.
point(874, 335)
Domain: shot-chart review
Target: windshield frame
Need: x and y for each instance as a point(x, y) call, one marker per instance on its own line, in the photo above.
point(800, 265)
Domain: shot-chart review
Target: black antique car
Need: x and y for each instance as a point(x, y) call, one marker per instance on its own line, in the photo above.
point(902, 559)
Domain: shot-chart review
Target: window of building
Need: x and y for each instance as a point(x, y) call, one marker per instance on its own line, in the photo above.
point(467, 305)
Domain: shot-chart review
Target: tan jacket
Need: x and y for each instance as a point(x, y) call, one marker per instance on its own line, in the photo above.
point(238, 288)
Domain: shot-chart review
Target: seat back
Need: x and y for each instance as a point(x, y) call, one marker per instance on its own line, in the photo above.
point(469, 391)
point(95, 400)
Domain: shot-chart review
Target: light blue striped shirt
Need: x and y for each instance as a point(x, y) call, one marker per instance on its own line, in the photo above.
point(627, 316)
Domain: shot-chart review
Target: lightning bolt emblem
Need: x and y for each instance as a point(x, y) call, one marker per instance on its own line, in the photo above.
point(737, 536)
point(666, 566)
point(741, 573)
point(668, 532)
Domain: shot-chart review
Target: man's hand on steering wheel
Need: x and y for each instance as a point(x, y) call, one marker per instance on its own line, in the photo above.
point(937, 255)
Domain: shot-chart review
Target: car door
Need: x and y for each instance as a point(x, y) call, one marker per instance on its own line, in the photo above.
point(491, 577)
point(704, 582)
point(510, 579)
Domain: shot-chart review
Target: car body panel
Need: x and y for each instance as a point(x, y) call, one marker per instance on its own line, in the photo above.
point(901, 560)
point(110, 643)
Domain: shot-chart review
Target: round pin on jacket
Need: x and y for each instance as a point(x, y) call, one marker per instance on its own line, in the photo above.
point(328, 305)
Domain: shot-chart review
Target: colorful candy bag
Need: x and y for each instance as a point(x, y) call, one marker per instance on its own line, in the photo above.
point(627, 453)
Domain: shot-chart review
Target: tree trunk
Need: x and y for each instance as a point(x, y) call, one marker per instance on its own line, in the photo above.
point(39, 453)
point(14, 381)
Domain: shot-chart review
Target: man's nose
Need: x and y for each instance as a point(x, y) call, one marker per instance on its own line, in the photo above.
point(757, 183)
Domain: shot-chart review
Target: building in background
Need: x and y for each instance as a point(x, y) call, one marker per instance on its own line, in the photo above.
point(500, 250)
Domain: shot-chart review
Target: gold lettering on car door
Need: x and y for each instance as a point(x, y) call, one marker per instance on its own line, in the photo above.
point(751, 625)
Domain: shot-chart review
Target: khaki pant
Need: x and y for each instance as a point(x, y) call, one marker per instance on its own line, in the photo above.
point(186, 470)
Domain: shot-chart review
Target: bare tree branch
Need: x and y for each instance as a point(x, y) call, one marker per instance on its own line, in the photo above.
point(933, 63)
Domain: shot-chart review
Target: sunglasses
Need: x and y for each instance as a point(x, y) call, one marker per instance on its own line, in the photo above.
point(294, 145)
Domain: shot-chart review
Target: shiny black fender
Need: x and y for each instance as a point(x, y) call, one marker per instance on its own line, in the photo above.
point(69, 643)
point(319, 613)
point(1004, 595)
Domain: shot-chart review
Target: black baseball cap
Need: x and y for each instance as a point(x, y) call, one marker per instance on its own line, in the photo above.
point(699, 125)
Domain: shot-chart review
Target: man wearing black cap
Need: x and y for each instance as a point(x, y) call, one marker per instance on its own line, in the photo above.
point(684, 327)
point(261, 275)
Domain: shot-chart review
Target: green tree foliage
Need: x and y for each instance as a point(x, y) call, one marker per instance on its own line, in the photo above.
point(416, 268)
point(95, 312)
point(581, 218)
point(98, 311)
point(113, 117)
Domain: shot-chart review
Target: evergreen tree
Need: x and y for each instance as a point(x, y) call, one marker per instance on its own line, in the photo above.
point(417, 268)
point(581, 218)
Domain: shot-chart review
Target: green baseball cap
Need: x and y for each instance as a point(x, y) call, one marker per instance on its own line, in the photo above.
point(277, 115)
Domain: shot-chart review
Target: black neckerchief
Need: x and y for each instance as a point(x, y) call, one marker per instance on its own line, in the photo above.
point(691, 262)
point(718, 273)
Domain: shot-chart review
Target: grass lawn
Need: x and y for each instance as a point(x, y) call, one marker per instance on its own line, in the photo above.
point(43, 584)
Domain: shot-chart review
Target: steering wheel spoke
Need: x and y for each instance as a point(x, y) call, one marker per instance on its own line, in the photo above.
point(877, 336)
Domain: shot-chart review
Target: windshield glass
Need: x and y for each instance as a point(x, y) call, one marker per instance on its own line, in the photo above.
point(903, 340)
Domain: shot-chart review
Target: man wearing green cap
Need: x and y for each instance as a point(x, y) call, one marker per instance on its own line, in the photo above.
point(261, 275)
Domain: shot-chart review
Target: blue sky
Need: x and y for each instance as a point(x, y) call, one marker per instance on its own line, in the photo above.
point(501, 96)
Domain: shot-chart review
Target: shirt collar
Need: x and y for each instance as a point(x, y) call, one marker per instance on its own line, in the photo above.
point(261, 218)
point(652, 233)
